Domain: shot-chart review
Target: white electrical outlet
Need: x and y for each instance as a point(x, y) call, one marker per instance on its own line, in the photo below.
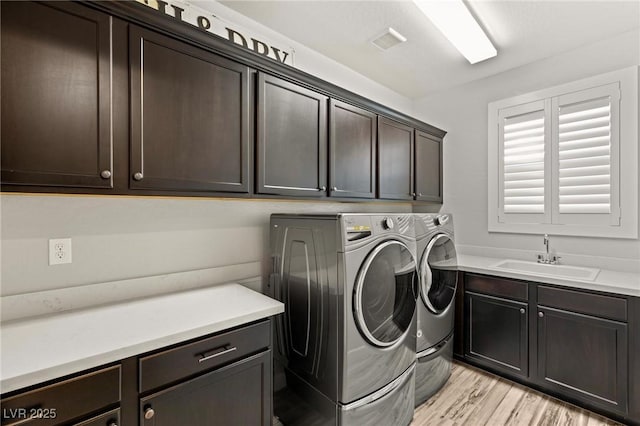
point(59, 251)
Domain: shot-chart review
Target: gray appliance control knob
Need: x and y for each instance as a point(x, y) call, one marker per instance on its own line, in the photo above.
point(387, 223)
point(441, 220)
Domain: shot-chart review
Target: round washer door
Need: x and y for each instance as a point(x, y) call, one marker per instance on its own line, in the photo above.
point(385, 294)
point(439, 274)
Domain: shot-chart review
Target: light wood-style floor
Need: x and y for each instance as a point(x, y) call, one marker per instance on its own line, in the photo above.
point(475, 397)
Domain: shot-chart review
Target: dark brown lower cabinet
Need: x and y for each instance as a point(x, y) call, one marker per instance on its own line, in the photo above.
point(238, 394)
point(579, 345)
point(220, 379)
point(497, 334)
point(584, 357)
point(66, 402)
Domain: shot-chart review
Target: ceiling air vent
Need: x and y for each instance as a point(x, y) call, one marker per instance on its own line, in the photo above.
point(388, 39)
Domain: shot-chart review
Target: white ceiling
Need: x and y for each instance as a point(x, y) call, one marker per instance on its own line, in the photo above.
point(522, 31)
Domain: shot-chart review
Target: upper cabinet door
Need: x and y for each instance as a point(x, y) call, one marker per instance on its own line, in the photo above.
point(395, 160)
point(352, 139)
point(428, 167)
point(56, 95)
point(291, 139)
point(190, 117)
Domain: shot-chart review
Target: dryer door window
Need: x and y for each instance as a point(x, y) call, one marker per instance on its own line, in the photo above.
point(439, 274)
point(386, 293)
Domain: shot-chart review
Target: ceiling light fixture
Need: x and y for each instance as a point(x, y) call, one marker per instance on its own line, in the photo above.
point(457, 24)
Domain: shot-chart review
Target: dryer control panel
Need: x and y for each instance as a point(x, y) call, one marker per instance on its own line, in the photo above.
point(361, 226)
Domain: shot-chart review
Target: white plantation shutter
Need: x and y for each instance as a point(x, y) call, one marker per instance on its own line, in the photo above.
point(523, 137)
point(524, 163)
point(584, 147)
point(585, 142)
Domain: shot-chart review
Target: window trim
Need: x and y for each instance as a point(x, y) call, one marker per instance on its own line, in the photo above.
point(627, 174)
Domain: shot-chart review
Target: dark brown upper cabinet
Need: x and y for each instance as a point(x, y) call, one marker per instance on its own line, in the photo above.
point(190, 117)
point(395, 160)
point(291, 139)
point(352, 151)
point(56, 95)
point(428, 167)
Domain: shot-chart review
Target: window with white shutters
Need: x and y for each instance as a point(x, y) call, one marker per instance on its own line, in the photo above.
point(555, 162)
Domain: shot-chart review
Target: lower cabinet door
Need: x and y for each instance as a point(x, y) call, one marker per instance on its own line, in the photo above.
point(238, 394)
point(583, 357)
point(496, 333)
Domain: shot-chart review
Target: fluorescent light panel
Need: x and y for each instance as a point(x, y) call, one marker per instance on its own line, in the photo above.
point(457, 24)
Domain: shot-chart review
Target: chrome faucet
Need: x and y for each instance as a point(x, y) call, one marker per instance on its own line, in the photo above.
point(546, 257)
point(546, 243)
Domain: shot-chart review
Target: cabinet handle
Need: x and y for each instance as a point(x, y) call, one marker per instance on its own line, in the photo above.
point(149, 413)
point(137, 176)
point(322, 188)
point(105, 174)
point(522, 311)
point(541, 314)
point(334, 188)
point(413, 194)
point(419, 194)
point(205, 357)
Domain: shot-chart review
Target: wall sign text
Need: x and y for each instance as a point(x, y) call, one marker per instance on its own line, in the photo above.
point(211, 23)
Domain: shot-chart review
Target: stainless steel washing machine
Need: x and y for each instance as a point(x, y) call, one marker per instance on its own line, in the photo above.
point(435, 311)
point(347, 338)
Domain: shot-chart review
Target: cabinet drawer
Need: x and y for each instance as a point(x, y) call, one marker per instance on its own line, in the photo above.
point(110, 418)
point(181, 362)
point(236, 394)
point(64, 401)
point(500, 287)
point(610, 307)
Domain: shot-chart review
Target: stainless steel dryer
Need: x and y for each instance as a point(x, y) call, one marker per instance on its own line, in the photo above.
point(438, 279)
point(347, 338)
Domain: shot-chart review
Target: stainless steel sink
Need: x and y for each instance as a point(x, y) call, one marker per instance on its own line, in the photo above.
point(559, 271)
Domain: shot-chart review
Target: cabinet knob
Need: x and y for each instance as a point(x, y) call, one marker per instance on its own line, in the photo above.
point(334, 188)
point(322, 188)
point(419, 194)
point(137, 176)
point(112, 424)
point(105, 174)
point(149, 413)
point(541, 314)
point(413, 194)
point(522, 311)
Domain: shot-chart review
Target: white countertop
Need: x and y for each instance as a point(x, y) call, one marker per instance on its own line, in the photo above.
point(44, 348)
point(625, 283)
